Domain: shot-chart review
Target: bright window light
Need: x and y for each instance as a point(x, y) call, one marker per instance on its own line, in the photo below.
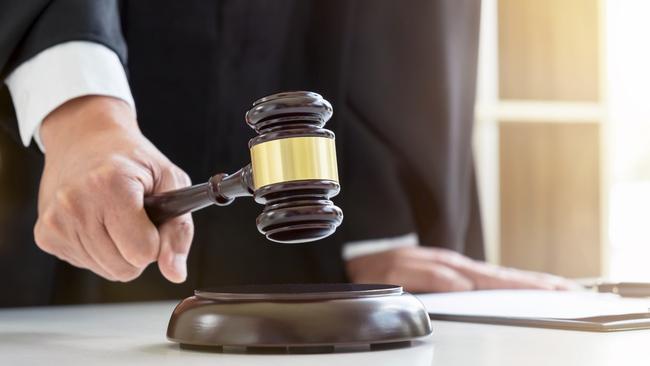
point(628, 137)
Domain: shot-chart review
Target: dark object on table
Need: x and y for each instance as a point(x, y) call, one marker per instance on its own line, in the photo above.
point(625, 289)
point(311, 317)
point(293, 172)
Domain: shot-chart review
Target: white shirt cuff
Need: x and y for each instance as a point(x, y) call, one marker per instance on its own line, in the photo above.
point(366, 247)
point(61, 73)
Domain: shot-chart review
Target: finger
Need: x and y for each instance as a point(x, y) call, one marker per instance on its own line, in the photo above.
point(128, 225)
point(420, 276)
point(104, 251)
point(63, 242)
point(89, 262)
point(552, 281)
point(175, 234)
point(568, 285)
point(175, 240)
point(51, 244)
point(484, 275)
point(488, 276)
point(73, 232)
point(492, 277)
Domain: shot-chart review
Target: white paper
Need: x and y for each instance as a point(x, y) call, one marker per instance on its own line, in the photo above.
point(532, 304)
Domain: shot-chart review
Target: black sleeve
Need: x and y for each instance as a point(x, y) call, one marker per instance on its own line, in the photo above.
point(29, 27)
point(411, 84)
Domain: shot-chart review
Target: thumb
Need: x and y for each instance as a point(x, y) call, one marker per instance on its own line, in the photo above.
point(175, 240)
point(175, 234)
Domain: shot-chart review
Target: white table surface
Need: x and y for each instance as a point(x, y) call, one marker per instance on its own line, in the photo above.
point(134, 334)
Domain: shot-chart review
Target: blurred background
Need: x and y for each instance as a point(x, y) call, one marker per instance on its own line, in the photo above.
point(562, 139)
point(563, 136)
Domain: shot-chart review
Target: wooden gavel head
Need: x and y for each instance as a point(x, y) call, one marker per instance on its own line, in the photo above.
point(294, 169)
point(293, 172)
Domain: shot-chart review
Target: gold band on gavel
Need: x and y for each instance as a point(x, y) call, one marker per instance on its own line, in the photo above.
point(294, 158)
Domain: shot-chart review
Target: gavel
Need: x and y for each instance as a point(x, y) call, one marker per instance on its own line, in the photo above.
point(293, 172)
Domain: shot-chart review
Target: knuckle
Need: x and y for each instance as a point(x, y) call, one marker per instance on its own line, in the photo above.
point(111, 173)
point(170, 173)
point(174, 176)
point(118, 188)
point(449, 256)
point(67, 209)
point(65, 200)
point(186, 228)
point(44, 242)
point(183, 178)
point(98, 178)
point(456, 258)
point(116, 179)
point(46, 221)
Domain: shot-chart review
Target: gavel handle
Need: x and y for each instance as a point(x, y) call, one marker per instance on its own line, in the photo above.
point(220, 190)
point(163, 206)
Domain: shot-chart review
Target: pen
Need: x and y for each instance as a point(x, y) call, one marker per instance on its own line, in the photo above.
point(625, 289)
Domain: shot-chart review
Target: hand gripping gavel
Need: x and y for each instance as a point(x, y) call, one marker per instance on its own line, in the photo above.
point(293, 172)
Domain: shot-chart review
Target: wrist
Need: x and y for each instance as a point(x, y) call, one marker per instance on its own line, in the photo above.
point(84, 117)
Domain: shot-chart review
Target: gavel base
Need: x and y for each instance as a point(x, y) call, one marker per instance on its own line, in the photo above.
point(298, 318)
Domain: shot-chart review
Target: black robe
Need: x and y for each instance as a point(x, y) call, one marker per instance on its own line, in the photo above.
point(400, 75)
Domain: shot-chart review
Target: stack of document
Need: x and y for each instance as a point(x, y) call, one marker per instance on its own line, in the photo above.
point(577, 310)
